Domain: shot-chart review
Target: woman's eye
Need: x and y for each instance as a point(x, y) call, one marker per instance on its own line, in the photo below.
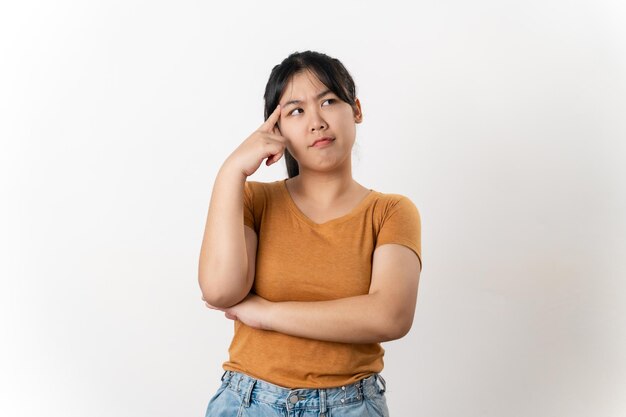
point(329, 100)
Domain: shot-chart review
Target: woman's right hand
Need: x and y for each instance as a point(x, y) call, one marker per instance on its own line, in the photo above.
point(265, 142)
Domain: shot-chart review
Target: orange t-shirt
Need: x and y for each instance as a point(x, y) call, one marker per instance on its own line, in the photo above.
point(299, 260)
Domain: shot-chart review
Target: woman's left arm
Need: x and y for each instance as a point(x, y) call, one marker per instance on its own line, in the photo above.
point(385, 313)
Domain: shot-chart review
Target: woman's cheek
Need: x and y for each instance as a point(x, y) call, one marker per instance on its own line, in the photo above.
point(288, 135)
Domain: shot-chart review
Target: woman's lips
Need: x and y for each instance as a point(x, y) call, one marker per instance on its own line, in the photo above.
point(322, 142)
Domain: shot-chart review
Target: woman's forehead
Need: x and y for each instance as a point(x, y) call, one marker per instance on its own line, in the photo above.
point(301, 84)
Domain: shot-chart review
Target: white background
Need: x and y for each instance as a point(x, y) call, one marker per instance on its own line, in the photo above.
point(503, 121)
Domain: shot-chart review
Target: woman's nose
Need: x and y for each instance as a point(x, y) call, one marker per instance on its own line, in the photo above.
point(316, 122)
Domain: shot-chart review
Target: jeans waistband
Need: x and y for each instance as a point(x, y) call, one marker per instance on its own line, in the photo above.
point(301, 398)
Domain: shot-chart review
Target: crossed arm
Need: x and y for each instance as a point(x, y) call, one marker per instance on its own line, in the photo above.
point(385, 313)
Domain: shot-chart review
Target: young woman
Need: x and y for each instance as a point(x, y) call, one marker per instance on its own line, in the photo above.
point(316, 270)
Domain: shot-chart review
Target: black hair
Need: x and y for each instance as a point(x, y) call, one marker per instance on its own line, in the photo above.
point(330, 71)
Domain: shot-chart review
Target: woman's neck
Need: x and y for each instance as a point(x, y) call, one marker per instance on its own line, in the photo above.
point(323, 189)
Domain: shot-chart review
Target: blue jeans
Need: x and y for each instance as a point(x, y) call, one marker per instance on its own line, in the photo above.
point(241, 395)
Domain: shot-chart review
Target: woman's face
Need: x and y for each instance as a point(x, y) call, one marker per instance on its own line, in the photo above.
point(310, 111)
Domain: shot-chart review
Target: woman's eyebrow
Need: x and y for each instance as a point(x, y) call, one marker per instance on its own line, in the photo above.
point(320, 95)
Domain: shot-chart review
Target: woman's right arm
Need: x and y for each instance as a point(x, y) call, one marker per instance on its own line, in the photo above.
point(227, 255)
point(223, 266)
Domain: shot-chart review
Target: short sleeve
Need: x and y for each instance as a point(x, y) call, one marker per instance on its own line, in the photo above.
point(402, 225)
point(248, 208)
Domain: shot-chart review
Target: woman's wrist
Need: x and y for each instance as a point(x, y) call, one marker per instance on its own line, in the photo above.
point(230, 169)
point(269, 312)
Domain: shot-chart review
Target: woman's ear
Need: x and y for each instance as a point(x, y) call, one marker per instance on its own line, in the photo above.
point(358, 115)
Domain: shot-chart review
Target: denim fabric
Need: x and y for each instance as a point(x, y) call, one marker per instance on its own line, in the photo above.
point(243, 396)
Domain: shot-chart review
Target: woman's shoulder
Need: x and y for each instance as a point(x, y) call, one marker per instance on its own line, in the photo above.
point(391, 204)
point(391, 199)
point(264, 184)
point(264, 189)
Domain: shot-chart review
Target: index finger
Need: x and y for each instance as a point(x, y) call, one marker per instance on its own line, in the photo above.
point(268, 125)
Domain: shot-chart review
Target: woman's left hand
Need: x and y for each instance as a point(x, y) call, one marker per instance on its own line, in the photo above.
point(253, 311)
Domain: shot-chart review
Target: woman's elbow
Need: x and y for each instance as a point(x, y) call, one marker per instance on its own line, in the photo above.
point(397, 327)
point(220, 299)
point(223, 288)
point(220, 296)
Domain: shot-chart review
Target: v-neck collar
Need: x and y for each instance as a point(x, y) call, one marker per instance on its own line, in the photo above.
point(293, 206)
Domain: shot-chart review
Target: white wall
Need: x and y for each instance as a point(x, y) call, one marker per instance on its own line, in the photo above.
point(503, 121)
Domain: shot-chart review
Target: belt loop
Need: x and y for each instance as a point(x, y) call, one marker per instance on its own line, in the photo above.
point(382, 381)
point(246, 398)
point(322, 393)
point(223, 375)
